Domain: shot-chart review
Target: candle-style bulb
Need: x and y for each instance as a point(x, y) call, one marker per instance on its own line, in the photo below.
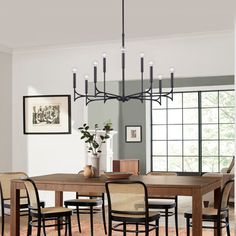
point(142, 54)
point(172, 70)
point(151, 63)
point(95, 63)
point(104, 55)
point(160, 77)
point(86, 77)
point(74, 70)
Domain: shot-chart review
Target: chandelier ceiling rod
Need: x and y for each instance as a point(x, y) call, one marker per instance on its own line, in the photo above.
point(146, 94)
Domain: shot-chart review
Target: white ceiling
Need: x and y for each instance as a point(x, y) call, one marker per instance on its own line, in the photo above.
point(29, 23)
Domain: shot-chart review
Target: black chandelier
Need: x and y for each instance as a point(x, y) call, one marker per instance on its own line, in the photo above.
point(143, 95)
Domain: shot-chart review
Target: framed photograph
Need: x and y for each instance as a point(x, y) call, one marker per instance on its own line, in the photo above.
point(133, 134)
point(48, 114)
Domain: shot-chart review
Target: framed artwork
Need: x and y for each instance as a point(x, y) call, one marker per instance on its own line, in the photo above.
point(47, 114)
point(133, 134)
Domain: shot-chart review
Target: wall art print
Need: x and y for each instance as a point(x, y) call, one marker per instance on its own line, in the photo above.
point(47, 114)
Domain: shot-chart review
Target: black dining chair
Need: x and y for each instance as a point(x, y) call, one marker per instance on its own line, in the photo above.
point(42, 217)
point(128, 206)
point(167, 205)
point(218, 217)
point(88, 203)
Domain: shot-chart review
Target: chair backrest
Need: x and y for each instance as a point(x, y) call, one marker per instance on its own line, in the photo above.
point(33, 196)
point(225, 195)
point(159, 173)
point(127, 197)
point(5, 183)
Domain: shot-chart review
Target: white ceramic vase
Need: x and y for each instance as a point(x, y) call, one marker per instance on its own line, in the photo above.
point(95, 159)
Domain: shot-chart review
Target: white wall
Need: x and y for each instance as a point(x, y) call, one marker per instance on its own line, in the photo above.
point(48, 71)
point(6, 112)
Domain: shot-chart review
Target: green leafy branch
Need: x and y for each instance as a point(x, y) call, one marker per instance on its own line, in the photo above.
point(94, 144)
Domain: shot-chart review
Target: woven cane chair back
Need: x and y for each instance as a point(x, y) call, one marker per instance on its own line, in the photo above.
point(5, 180)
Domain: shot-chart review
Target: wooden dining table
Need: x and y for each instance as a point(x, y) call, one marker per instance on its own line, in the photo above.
point(195, 186)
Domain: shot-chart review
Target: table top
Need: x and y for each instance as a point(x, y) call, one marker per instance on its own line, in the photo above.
point(171, 181)
point(182, 185)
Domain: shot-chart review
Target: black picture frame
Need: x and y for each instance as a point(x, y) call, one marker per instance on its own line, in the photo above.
point(133, 133)
point(47, 114)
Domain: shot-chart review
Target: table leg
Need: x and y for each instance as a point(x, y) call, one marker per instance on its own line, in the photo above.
point(15, 210)
point(217, 193)
point(58, 201)
point(197, 213)
point(58, 198)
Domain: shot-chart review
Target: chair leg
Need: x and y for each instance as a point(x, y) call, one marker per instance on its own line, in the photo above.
point(146, 229)
point(3, 222)
point(103, 214)
point(166, 221)
point(29, 230)
point(176, 217)
point(227, 227)
point(59, 226)
point(69, 225)
point(157, 227)
point(136, 229)
point(78, 218)
point(44, 227)
point(188, 226)
point(124, 229)
point(91, 220)
point(109, 227)
point(39, 227)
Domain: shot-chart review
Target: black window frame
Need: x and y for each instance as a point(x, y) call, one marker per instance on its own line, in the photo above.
point(199, 125)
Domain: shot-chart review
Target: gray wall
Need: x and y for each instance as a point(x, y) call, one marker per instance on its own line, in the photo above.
point(6, 111)
point(134, 113)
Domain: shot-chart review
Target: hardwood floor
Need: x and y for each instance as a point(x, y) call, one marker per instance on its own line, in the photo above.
point(100, 232)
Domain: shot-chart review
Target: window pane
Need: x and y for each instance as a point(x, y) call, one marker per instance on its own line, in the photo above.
point(226, 148)
point(159, 132)
point(175, 116)
point(175, 132)
point(210, 115)
point(191, 164)
point(227, 131)
point(175, 164)
point(209, 99)
point(226, 98)
point(190, 116)
point(225, 162)
point(159, 116)
point(190, 100)
point(159, 164)
point(190, 132)
point(190, 148)
point(210, 164)
point(209, 148)
point(177, 101)
point(175, 148)
point(209, 131)
point(226, 115)
point(159, 148)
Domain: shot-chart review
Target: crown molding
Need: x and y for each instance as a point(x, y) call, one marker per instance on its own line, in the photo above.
point(5, 49)
point(86, 44)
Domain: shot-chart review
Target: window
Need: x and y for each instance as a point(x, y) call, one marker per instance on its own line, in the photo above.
point(194, 132)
